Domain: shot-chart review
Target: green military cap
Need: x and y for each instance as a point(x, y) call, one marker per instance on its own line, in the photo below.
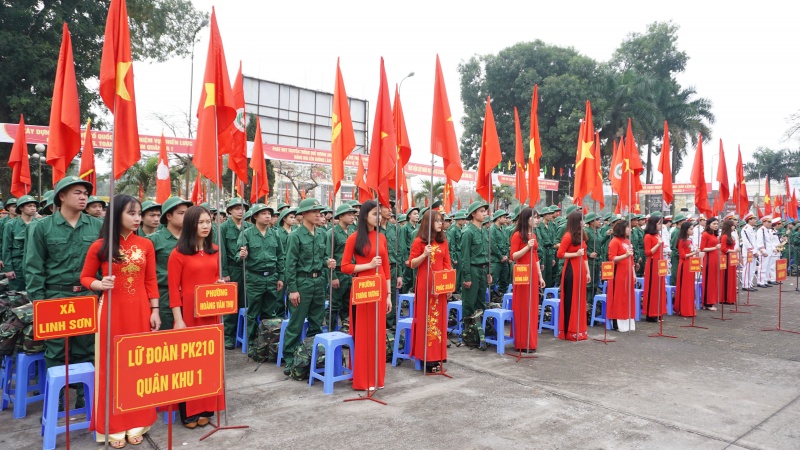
point(656, 213)
point(257, 208)
point(46, 210)
point(448, 218)
point(476, 205)
point(67, 182)
point(170, 204)
point(555, 208)
point(548, 210)
point(24, 200)
point(758, 223)
point(207, 206)
point(149, 204)
point(282, 205)
point(354, 203)
point(343, 209)
point(423, 211)
point(236, 201)
point(513, 216)
point(402, 218)
point(486, 220)
point(498, 214)
point(616, 218)
point(45, 196)
point(560, 221)
point(285, 213)
point(460, 215)
point(437, 204)
point(96, 199)
point(327, 210)
point(518, 209)
point(11, 201)
point(408, 213)
point(248, 213)
point(591, 217)
point(678, 218)
point(608, 216)
point(309, 204)
point(570, 209)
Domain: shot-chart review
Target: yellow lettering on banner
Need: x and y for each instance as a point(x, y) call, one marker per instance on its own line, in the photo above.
point(78, 324)
point(366, 284)
point(197, 349)
point(69, 308)
point(135, 357)
point(165, 353)
point(218, 292)
point(183, 379)
point(52, 327)
point(152, 385)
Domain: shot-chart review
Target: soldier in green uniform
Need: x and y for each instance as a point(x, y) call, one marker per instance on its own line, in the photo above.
point(499, 252)
point(263, 256)
point(673, 245)
point(54, 257)
point(474, 261)
point(594, 247)
point(46, 205)
point(546, 254)
point(11, 207)
point(164, 242)
point(15, 235)
point(232, 271)
point(341, 282)
point(407, 234)
point(284, 226)
point(391, 231)
point(151, 217)
point(96, 207)
point(454, 244)
point(637, 241)
point(305, 261)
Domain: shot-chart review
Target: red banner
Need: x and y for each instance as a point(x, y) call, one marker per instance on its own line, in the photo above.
point(663, 270)
point(215, 299)
point(694, 264)
point(63, 317)
point(367, 290)
point(444, 282)
point(733, 259)
point(677, 188)
point(607, 270)
point(723, 263)
point(167, 367)
point(780, 270)
point(522, 274)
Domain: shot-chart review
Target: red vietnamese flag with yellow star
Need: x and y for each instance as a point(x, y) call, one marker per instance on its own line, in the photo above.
point(87, 171)
point(383, 148)
point(19, 163)
point(722, 177)
point(363, 190)
point(632, 169)
point(237, 159)
point(767, 198)
point(163, 182)
point(116, 88)
point(490, 156)
point(665, 167)
point(216, 110)
point(443, 133)
point(585, 165)
point(403, 144)
point(742, 201)
point(260, 184)
point(64, 140)
point(343, 138)
point(448, 196)
point(534, 167)
point(519, 159)
point(699, 181)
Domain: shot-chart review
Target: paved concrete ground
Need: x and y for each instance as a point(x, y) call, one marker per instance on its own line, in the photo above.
point(730, 386)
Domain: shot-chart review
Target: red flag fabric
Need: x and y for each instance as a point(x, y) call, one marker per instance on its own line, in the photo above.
point(758, 210)
point(141, 192)
point(722, 176)
point(742, 200)
point(363, 190)
point(597, 191)
point(699, 181)
point(303, 194)
point(163, 182)
point(237, 158)
point(443, 133)
point(519, 159)
point(490, 156)
point(116, 87)
point(64, 141)
point(216, 110)
point(18, 161)
point(403, 144)
point(197, 191)
point(240, 188)
point(449, 195)
point(793, 208)
point(615, 171)
point(87, 171)
point(288, 199)
point(767, 198)
point(585, 164)
point(343, 138)
point(631, 182)
point(459, 204)
point(260, 184)
point(383, 148)
point(535, 150)
point(665, 167)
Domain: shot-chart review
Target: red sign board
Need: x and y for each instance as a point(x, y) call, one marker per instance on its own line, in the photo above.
point(167, 367)
point(64, 317)
point(780, 270)
point(444, 282)
point(749, 256)
point(607, 270)
point(215, 299)
point(723, 263)
point(663, 270)
point(522, 274)
point(367, 290)
point(733, 259)
point(694, 264)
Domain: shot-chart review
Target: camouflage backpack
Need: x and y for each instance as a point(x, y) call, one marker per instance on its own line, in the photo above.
point(265, 346)
point(25, 315)
point(473, 331)
point(490, 331)
point(301, 365)
point(10, 333)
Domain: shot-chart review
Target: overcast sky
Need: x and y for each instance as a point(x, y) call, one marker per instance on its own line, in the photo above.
point(742, 56)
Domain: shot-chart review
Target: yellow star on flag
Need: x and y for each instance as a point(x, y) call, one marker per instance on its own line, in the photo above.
point(337, 127)
point(586, 152)
point(122, 72)
point(384, 134)
point(210, 97)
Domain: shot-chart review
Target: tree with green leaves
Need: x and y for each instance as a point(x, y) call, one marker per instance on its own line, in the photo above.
point(143, 174)
point(776, 164)
point(425, 192)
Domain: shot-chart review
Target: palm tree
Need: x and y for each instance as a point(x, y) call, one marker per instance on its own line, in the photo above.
point(688, 117)
point(425, 192)
point(775, 164)
point(144, 174)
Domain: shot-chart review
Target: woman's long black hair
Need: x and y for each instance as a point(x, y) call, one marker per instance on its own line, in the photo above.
point(574, 227)
point(120, 204)
point(708, 226)
point(523, 228)
point(652, 225)
point(187, 243)
point(684, 233)
point(363, 242)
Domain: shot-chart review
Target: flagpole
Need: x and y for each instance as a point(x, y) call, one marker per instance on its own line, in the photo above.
point(107, 294)
point(398, 264)
point(330, 285)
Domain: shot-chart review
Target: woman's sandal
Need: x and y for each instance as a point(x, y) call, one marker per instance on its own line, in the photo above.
point(202, 421)
point(135, 440)
point(117, 444)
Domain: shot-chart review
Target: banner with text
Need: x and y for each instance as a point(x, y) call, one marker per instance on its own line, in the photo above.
point(64, 317)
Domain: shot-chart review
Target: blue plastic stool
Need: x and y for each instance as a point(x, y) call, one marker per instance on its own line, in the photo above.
point(604, 287)
point(554, 304)
point(551, 291)
point(698, 294)
point(20, 371)
point(639, 283)
point(166, 414)
point(404, 326)
point(333, 371)
point(241, 336)
point(667, 279)
point(670, 299)
point(285, 324)
point(510, 289)
point(500, 316)
point(457, 306)
point(638, 293)
point(598, 316)
point(507, 300)
point(56, 380)
point(406, 298)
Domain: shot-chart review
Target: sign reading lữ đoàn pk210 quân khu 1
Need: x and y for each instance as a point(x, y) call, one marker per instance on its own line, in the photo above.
point(167, 367)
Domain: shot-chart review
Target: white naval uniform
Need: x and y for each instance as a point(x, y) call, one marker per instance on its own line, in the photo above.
point(748, 245)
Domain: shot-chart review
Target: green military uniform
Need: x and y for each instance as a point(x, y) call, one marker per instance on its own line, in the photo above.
point(340, 303)
point(54, 257)
point(560, 229)
point(499, 249)
point(637, 241)
point(11, 203)
point(474, 261)
point(305, 262)
point(392, 231)
point(593, 246)
point(673, 245)
point(15, 235)
point(263, 270)
point(407, 234)
point(146, 206)
point(232, 266)
point(454, 244)
point(546, 250)
point(283, 236)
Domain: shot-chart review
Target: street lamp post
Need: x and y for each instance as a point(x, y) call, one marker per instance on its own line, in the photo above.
point(41, 159)
point(410, 74)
